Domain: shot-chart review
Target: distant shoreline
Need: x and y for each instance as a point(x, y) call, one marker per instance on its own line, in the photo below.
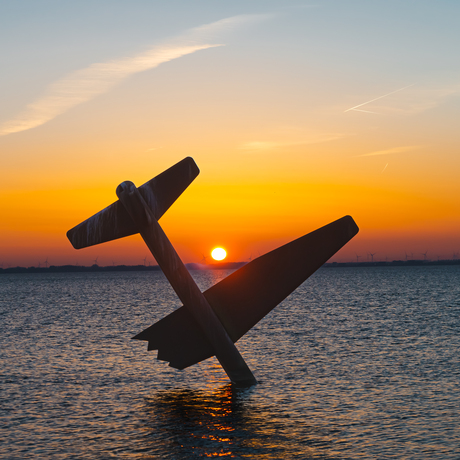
point(394, 263)
point(216, 266)
point(116, 268)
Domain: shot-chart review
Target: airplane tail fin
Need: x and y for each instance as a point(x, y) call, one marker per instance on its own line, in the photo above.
point(243, 298)
point(114, 221)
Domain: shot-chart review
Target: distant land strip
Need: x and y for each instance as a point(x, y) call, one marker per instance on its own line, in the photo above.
point(116, 268)
point(216, 266)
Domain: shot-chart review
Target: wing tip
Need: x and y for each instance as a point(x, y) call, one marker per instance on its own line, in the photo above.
point(193, 166)
point(71, 237)
point(352, 224)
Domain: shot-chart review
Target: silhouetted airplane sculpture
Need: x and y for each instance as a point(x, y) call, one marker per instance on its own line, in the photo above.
point(209, 323)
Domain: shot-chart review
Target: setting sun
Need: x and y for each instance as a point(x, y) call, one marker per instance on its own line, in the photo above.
point(219, 254)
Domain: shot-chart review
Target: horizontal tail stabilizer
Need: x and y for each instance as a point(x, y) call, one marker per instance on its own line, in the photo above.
point(114, 222)
point(178, 339)
point(243, 298)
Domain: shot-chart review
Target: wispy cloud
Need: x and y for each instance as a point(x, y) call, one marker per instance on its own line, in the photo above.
point(427, 97)
point(392, 151)
point(264, 146)
point(260, 146)
point(85, 84)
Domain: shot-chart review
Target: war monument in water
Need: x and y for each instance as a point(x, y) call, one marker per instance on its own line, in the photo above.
point(209, 323)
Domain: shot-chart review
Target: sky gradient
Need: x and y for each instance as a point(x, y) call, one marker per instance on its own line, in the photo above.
point(297, 113)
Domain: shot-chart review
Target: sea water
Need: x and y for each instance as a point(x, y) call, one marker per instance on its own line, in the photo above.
point(356, 363)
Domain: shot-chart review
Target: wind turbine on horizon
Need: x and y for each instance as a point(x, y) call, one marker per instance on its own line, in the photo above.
point(372, 256)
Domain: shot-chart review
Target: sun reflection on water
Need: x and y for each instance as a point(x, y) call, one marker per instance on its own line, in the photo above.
point(216, 423)
point(201, 422)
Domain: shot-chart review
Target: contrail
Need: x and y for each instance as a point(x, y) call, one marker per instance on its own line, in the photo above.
point(384, 168)
point(376, 99)
point(85, 84)
point(360, 110)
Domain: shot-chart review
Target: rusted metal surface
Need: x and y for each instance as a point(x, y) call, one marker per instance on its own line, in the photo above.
point(114, 222)
point(184, 285)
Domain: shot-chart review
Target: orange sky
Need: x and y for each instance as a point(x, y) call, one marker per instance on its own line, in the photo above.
point(266, 116)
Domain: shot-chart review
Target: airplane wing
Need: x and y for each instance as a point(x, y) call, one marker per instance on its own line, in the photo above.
point(114, 222)
point(247, 295)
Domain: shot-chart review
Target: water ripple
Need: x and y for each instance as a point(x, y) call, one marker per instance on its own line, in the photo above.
point(357, 363)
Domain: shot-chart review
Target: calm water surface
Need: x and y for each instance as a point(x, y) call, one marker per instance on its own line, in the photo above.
point(357, 363)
